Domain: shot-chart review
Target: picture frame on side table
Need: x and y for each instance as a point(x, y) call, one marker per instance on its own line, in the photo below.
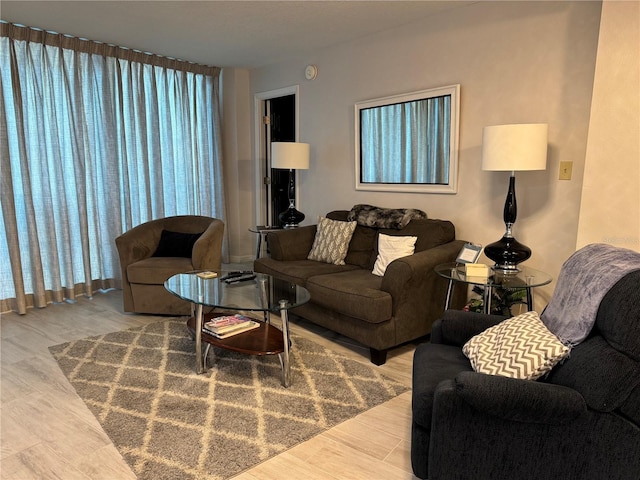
point(469, 253)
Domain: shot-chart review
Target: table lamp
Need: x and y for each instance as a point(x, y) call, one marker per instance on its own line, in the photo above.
point(291, 156)
point(512, 148)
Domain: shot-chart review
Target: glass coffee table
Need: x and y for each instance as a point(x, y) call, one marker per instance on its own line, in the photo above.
point(263, 293)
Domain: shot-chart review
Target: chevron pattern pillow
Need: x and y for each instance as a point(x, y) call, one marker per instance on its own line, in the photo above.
point(331, 242)
point(519, 347)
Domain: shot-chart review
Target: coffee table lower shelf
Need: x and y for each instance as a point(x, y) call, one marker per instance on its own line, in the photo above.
point(264, 340)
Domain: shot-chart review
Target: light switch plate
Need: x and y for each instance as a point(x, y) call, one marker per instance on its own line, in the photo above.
point(565, 170)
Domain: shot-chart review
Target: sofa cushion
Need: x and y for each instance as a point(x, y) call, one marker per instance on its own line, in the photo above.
point(176, 244)
point(362, 247)
point(155, 270)
point(519, 347)
point(355, 293)
point(297, 271)
point(331, 242)
point(430, 232)
point(390, 248)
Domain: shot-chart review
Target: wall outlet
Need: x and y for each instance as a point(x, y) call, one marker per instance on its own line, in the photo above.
point(565, 170)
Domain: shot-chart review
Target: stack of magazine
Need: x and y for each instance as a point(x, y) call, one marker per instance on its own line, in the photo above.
point(229, 325)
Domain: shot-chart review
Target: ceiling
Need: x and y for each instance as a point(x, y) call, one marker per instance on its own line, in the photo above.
point(245, 34)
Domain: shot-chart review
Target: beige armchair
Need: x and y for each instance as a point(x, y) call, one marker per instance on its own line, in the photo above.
point(143, 274)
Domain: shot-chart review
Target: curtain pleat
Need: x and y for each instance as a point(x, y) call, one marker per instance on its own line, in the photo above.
point(95, 139)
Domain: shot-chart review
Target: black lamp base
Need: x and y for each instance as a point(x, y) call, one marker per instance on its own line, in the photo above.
point(507, 253)
point(291, 217)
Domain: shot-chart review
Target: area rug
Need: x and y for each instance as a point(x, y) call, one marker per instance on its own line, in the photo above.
point(170, 423)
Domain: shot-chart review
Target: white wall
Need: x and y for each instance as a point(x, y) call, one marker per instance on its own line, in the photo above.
point(610, 209)
point(516, 62)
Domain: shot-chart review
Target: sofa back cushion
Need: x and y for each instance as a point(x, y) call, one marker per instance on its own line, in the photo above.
point(430, 233)
point(363, 242)
point(363, 249)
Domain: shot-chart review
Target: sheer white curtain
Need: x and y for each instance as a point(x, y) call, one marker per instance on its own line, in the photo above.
point(94, 140)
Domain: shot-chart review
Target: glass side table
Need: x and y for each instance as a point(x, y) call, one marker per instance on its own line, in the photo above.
point(262, 231)
point(526, 278)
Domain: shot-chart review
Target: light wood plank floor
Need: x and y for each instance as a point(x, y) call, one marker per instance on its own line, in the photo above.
point(47, 432)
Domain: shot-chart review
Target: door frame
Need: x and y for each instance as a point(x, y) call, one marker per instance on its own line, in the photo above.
point(259, 151)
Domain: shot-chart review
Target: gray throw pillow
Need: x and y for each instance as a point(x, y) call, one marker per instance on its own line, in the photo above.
point(331, 242)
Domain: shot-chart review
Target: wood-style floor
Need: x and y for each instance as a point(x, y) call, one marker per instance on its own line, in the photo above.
point(47, 432)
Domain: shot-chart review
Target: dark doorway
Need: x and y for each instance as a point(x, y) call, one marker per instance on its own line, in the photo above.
point(281, 112)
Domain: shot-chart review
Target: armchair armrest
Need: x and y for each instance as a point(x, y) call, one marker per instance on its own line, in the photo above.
point(456, 327)
point(291, 244)
point(138, 243)
point(207, 251)
point(520, 400)
point(416, 290)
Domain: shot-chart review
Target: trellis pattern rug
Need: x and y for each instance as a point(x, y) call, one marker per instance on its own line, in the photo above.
point(170, 423)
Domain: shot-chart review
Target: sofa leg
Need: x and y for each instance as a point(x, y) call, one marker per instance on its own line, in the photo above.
point(378, 357)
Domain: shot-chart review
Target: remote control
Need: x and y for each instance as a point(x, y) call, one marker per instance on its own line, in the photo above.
point(236, 274)
point(241, 278)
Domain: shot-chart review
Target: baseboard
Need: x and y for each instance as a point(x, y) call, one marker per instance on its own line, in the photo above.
point(241, 259)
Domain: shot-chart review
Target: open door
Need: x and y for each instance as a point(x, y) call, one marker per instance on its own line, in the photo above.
point(281, 126)
point(276, 121)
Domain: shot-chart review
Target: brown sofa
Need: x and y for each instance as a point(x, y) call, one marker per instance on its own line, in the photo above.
point(379, 312)
point(143, 274)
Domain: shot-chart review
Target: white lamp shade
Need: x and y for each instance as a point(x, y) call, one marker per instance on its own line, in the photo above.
point(290, 155)
point(515, 147)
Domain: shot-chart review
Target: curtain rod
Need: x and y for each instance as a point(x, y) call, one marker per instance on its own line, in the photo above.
point(20, 32)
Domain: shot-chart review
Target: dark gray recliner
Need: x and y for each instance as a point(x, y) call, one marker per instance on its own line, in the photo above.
point(580, 422)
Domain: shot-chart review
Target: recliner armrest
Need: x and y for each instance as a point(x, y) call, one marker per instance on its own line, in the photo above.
point(292, 243)
point(520, 400)
point(457, 327)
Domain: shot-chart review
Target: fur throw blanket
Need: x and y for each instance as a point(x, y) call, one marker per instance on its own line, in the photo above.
point(370, 216)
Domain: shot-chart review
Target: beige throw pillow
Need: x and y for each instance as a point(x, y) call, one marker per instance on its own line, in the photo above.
point(331, 242)
point(519, 347)
point(391, 247)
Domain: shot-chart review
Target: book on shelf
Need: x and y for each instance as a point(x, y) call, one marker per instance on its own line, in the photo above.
point(229, 325)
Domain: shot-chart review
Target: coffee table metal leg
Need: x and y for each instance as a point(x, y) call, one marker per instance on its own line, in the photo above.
point(284, 356)
point(265, 300)
point(199, 358)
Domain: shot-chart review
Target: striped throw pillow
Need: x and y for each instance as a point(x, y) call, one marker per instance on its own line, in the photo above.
point(519, 347)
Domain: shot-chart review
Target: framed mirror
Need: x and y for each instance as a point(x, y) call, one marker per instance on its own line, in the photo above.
point(409, 142)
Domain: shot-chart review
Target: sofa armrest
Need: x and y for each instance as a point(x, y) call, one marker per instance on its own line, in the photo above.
point(207, 251)
point(520, 400)
point(292, 243)
point(456, 327)
point(416, 290)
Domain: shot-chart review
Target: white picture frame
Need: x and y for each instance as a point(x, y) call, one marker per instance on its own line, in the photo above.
point(469, 253)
